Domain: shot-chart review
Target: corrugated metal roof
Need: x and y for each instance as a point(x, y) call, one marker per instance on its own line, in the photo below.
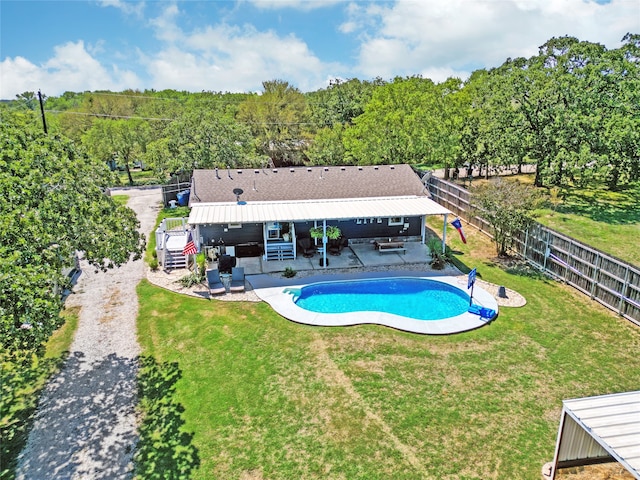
point(306, 210)
point(600, 426)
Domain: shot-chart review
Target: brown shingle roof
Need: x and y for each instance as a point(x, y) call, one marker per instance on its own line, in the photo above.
point(305, 183)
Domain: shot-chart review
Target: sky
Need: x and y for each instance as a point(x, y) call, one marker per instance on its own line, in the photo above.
point(233, 46)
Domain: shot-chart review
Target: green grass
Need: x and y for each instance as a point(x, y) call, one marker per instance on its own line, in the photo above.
point(253, 395)
point(608, 221)
point(120, 200)
point(140, 177)
point(22, 379)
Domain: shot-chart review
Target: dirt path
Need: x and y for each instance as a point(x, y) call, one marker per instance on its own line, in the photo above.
point(85, 426)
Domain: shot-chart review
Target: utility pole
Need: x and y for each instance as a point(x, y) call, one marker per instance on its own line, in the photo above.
point(44, 120)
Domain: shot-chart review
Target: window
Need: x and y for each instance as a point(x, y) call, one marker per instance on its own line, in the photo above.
point(395, 221)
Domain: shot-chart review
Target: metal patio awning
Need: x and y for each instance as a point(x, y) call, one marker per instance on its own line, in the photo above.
point(600, 429)
point(309, 210)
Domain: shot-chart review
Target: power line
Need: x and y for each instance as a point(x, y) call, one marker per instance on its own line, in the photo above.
point(131, 117)
point(107, 115)
point(189, 96)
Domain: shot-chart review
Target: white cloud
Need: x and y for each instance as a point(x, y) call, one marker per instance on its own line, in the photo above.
point(128, 7)
point(71, 68)
point(230, 58)
point(165, 26)
point(304, 5)
point(410, 37)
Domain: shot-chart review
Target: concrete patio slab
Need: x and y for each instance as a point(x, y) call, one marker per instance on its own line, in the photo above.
point(355, 256)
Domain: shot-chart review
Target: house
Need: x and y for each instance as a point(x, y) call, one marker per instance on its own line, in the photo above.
point(264, 211)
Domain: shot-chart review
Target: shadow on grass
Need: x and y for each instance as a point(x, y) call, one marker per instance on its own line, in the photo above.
point(164, 450)
point(518, 267)
point(615, 208)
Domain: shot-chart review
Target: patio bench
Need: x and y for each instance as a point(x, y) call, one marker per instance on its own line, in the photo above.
point(390, 247)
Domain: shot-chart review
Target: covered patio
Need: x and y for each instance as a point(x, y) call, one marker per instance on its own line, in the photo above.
point(358, 255)
point(363, 215)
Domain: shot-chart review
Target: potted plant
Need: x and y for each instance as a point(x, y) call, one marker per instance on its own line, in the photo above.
point(333, 232)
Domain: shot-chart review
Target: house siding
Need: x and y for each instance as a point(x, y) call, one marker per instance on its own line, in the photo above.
point(351, 229)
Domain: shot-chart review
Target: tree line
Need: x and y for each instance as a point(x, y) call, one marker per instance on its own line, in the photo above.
point(572, 110)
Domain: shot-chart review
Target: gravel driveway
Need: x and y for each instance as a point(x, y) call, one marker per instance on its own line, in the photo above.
point(85, 425)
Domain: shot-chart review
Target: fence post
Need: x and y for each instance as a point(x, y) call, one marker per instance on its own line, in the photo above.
point(546, 251)
point(526, 241)
point(595, 275)
point(623, 293)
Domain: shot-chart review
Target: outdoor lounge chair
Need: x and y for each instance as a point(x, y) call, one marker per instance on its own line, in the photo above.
point(215, 285)
point(336, 246)
point(237, 279)
point(307, 247)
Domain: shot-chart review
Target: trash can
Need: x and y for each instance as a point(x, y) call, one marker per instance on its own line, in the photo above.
point(183, 198)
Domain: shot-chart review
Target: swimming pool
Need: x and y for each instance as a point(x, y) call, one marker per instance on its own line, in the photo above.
point(417, 298)
point(281, 295)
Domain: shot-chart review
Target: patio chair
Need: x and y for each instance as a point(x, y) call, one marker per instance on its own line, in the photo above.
point(307, 247)
point(337, 245)
point(237, 279)
point(215, 285)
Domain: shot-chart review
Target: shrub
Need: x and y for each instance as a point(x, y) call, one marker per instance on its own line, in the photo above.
point(438, 258)
point(190, 280)
point(333, 232)
point(201, 263)
point(153, 264)
point(289, 272)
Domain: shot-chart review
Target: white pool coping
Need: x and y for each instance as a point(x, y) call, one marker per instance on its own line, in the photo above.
point(282, 302)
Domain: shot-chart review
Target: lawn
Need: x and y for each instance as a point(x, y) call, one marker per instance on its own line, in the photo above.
point(251, 395)
point(606, 220)
point(140, 177)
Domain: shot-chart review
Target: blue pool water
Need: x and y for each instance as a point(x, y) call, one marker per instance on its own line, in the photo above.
point(409, 297)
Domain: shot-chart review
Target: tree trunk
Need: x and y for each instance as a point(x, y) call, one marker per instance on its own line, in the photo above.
point(126, 167)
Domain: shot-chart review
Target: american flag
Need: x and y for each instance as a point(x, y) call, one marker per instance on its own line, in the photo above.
point(190, 247)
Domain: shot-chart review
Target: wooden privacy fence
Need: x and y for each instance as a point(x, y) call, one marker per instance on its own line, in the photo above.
point(612, 282)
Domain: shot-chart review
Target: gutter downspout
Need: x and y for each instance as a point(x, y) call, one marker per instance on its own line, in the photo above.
point(423, 229)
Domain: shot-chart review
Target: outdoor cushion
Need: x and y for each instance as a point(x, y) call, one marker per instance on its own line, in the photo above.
point(237, 279)
point(213, 281)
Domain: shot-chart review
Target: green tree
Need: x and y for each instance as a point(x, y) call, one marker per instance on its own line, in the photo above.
point(201, 139)
point(571, 109)
point(341, 102)
point(411, 120)
point(276, 118)
point(327, 147)
point(27, 100)
point(507, 206)
point(121, 140)
point(52, 203)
